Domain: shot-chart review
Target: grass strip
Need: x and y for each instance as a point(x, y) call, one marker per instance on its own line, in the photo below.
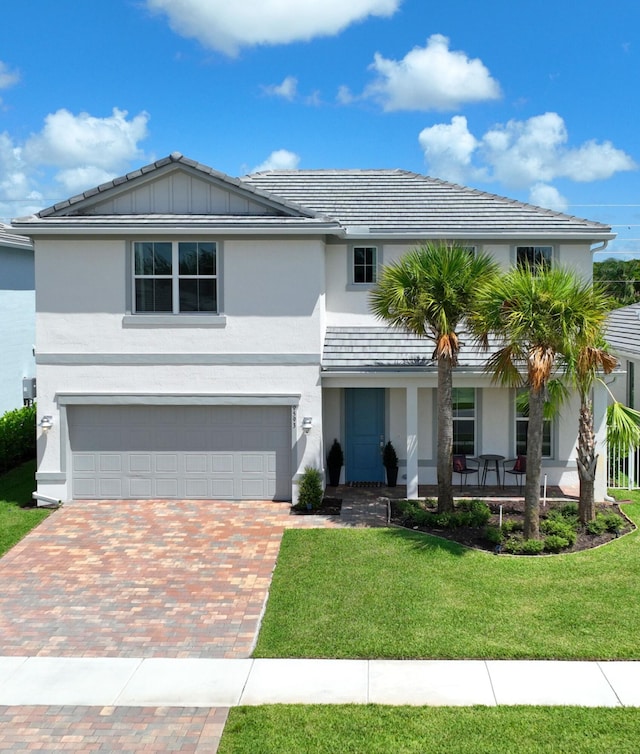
point(16, 487)
point(392, 593)
point(373, 729)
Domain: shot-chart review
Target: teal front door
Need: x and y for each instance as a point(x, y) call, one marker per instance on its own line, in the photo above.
point(364, 430)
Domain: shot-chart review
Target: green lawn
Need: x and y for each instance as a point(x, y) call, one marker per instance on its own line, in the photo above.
point(429, 730)
point(400, 594)
point(15, 489)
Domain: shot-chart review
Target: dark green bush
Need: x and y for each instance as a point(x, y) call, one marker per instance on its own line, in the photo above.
point(597, 526)
point(613, 522)
point(569, 509)
point(558, 525)
point(555, 543)
point(17, 437)
point(510, 526)
point(518, 546)
point(310, 490)
point(493, 535)
point(479, 512)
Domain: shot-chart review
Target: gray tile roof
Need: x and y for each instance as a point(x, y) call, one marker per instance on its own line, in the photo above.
point(399, 201)
point(359, 349)
point(623, 330)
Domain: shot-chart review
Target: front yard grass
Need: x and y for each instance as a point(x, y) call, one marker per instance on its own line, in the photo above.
point(16, 487)
point(298, 729)
point(392, 593)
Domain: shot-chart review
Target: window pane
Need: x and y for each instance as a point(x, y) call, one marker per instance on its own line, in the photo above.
point(464, 401)
point(206, 259)
point(162, 263)
point(153, 295)
point(464, 437)
point(198, 295)
point(189, 295)
point(207, 296)
point(188, 258)
point(522, 426)
point(143, 253)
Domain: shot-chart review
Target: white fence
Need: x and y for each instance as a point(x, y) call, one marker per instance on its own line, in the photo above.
point(623, 469)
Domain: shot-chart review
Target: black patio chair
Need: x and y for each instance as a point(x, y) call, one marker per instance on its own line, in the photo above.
point(517, 467)
point(460, 466)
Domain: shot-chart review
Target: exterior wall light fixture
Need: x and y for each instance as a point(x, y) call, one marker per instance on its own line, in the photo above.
point(307, 423)
point(46, 423)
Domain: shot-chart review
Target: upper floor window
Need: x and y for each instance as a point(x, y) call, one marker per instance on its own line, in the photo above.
point(534, 257)
point(365, 264)
point(464, 421)
point(175, 276)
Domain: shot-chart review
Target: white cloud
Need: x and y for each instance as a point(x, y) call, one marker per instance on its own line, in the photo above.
point(72, 141)
point(344, 95)
point(7, 76)
point(520, 154)
point(227, 26)
point(431, 78)
point(76, 152)
point(287, 89)
point(548, 196)
point(448, 150)
point(281, 159)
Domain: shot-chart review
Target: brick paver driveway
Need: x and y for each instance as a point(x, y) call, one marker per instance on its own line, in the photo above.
point(142, 579)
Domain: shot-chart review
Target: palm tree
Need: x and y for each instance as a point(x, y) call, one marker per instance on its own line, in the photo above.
point(537, 316)
point(429, 292)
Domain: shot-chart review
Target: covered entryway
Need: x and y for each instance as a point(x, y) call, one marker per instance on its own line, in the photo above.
point(222, 452)
point(364, 411)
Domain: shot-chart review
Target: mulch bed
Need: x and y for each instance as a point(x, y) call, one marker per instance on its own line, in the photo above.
point(514, 511)
point(331, 506)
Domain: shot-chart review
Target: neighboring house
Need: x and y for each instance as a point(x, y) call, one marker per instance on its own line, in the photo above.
point(623, 336)
point(17, 317)
point(201, 336)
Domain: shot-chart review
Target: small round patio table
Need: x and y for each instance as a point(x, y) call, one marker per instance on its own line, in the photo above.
point(487, 460)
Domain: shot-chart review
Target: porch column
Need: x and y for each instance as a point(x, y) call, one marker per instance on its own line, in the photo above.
point(600, 400)
point(412, 441)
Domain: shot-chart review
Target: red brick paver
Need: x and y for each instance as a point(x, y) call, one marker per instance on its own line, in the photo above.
point(142, 579)
point(111, 729)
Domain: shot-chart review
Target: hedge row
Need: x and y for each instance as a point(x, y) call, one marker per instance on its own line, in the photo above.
point(17, 437)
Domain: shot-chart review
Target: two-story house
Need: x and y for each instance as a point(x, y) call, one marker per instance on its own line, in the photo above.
point(201, 336)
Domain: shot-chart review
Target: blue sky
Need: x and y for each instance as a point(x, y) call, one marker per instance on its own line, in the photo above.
point(536, 101)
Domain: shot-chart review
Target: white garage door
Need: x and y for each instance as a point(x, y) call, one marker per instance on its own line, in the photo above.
point(208, 452)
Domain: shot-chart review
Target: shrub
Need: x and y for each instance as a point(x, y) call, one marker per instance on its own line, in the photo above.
point(493, 535)
point(569, 509)
point(613, 522)
point(557, 525)
point(389, 456)
point(479, 512)
point(17, 437)
point(518, 546)
point(511, 526)
point(310, 490)
point(597, 526)
point(555, 543)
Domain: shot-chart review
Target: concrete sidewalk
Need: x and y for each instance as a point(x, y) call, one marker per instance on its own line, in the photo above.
point(169, 682)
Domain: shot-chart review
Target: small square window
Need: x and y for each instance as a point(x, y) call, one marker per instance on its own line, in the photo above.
point(365, 264)
point(534, 257)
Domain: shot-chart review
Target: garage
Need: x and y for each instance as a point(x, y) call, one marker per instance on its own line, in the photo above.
point(221, 452)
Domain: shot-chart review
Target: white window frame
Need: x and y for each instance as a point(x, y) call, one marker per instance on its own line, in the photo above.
point(473, 418)
point(175, 278)
point(536, 246)
point(351, 284)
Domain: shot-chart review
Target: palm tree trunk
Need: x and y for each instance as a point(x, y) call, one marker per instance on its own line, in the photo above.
point(445, 435)
point(587, 460)
point(534, 464)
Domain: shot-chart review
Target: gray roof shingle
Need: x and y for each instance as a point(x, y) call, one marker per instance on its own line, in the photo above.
point(359, 349)
point(623, 329)
point(388, 201)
